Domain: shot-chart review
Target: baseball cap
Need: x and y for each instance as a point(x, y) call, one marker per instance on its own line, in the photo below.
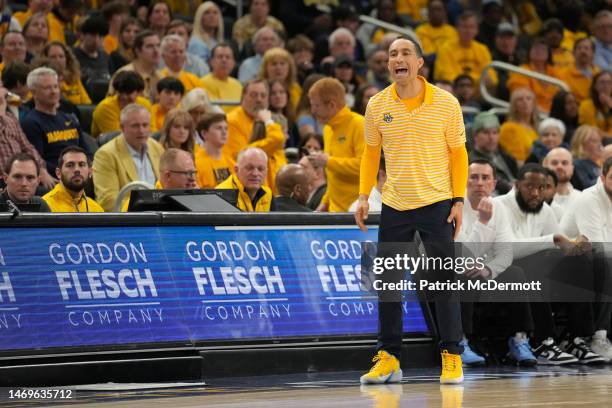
point(506, 28)
point(485, 120)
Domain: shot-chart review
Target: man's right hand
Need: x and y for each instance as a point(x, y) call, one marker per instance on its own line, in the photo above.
point(485, 210)
point(361, 213)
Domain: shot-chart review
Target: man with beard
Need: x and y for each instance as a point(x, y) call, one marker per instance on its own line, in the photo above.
point(73, 171)
point(560, 161)
point(534, 227)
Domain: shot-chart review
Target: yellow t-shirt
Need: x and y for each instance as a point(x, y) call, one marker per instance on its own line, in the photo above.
point(76, 93)
point(212, 172)
point(516, 139)
point(229, 89)
point(453, 60)
point(432, 38)
point(580, 85)
point(106, 115)
point(543, 91)
point(189, 80)
point(588, 115)
point(157, 118)
point(60, 200)
point(110, 44)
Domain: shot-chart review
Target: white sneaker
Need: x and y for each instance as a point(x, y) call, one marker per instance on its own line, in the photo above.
point(601, 345)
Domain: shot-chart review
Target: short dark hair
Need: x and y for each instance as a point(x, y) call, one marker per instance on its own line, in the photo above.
point(15, 73)
point(171, 84)
point(113, 8)
point(606, 166)
point(417, 46)
point(209, 119)
point(140, 37)
point(128, 82)
point(71, 149)
point(530, 168)
point(22, 157)
point(94, 25)
point(552, 174)
point(486, 162)
point(220, 45)
point(11, 32)
point(552, 24)
point(461, 77)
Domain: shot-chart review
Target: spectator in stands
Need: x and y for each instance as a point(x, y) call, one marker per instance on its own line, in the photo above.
point(553, 32)
point(8, 22)
point(307, 124)
point(72, 87)
point(492, 12)
point(465, 91)
point(128, 87)
point(587, 151)
point(311, 143)
point(198, 104)
point(344, 71)
point(258, 17)
point(344, 142)
point(131, 156)
point(551, 132)
point(63, 17)
point(194, 64)
point(36, 33)
point(13, 141)
point(505, 51)
point(147, 57)
point(378, 73)
point(518, 133)
point(14, 77)
point(580, 74)
point(559, 160)
point(124, 54)
point(176, 170)
point(170, 91)
point(158, 17)
point(316, 182)
point(242, 130)
point(22, 175)
point(293, 189)
point(12, 48)
point(278, 64)
point(486, 147)
point(279, 104)
point(483, 217)
point(178, 131)
point(174, 54)
point(49, 130)
point(550, 186)
point(207, 30)
point(464, 55)
point(437, 31)
point(34, 6)
point(250, 173)
point(373, 35)
point(602, 29)
point(89, 52)
point(264, 39)
point(341, 42)
point(362, 97)
point(375, 197)
point(302, 50)
point(218, 83)
point(213, 165)
point(597, 110)
point(565, 108)
point(73, 171)
point(538, 61)
point(534, 223)
point(115, 12)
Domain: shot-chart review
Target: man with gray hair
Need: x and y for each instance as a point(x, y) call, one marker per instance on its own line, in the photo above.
point(264, 39)
point(131, 156)
point(174, 54)
point(49, 130)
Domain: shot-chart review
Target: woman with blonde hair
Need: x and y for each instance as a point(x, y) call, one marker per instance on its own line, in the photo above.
point(72, 86)
point(207, 30)
point(36, 33)
point(197, 103)
point(178, 131)
point(278, 64)
point(587, 150)
point(518, 133)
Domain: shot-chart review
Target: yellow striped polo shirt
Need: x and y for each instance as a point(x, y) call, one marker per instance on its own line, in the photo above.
point(416, 144)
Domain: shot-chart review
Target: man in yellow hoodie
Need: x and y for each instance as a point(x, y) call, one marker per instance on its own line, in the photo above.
point(73, 171)
point(343, 141)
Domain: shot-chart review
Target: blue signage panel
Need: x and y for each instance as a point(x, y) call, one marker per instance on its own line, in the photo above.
point(70, 287)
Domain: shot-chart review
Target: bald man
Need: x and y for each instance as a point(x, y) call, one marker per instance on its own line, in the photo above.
point(560, 161)
point(292, 186)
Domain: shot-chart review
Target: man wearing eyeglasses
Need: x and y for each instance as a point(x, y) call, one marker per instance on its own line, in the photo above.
point(176, 170)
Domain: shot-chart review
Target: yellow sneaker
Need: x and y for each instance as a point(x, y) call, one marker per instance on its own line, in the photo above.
point(452, 373)
point(386, 370)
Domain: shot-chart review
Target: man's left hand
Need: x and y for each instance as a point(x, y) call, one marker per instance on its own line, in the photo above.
point(456, 214)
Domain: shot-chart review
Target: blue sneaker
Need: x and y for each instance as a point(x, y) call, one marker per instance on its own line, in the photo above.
point(469, 357)
point(519, 351)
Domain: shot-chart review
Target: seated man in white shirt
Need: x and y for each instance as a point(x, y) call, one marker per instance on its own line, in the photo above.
point(486, 233)
point(533, 223)
point(375, 198)
point(593, 219)
point(561, 162)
